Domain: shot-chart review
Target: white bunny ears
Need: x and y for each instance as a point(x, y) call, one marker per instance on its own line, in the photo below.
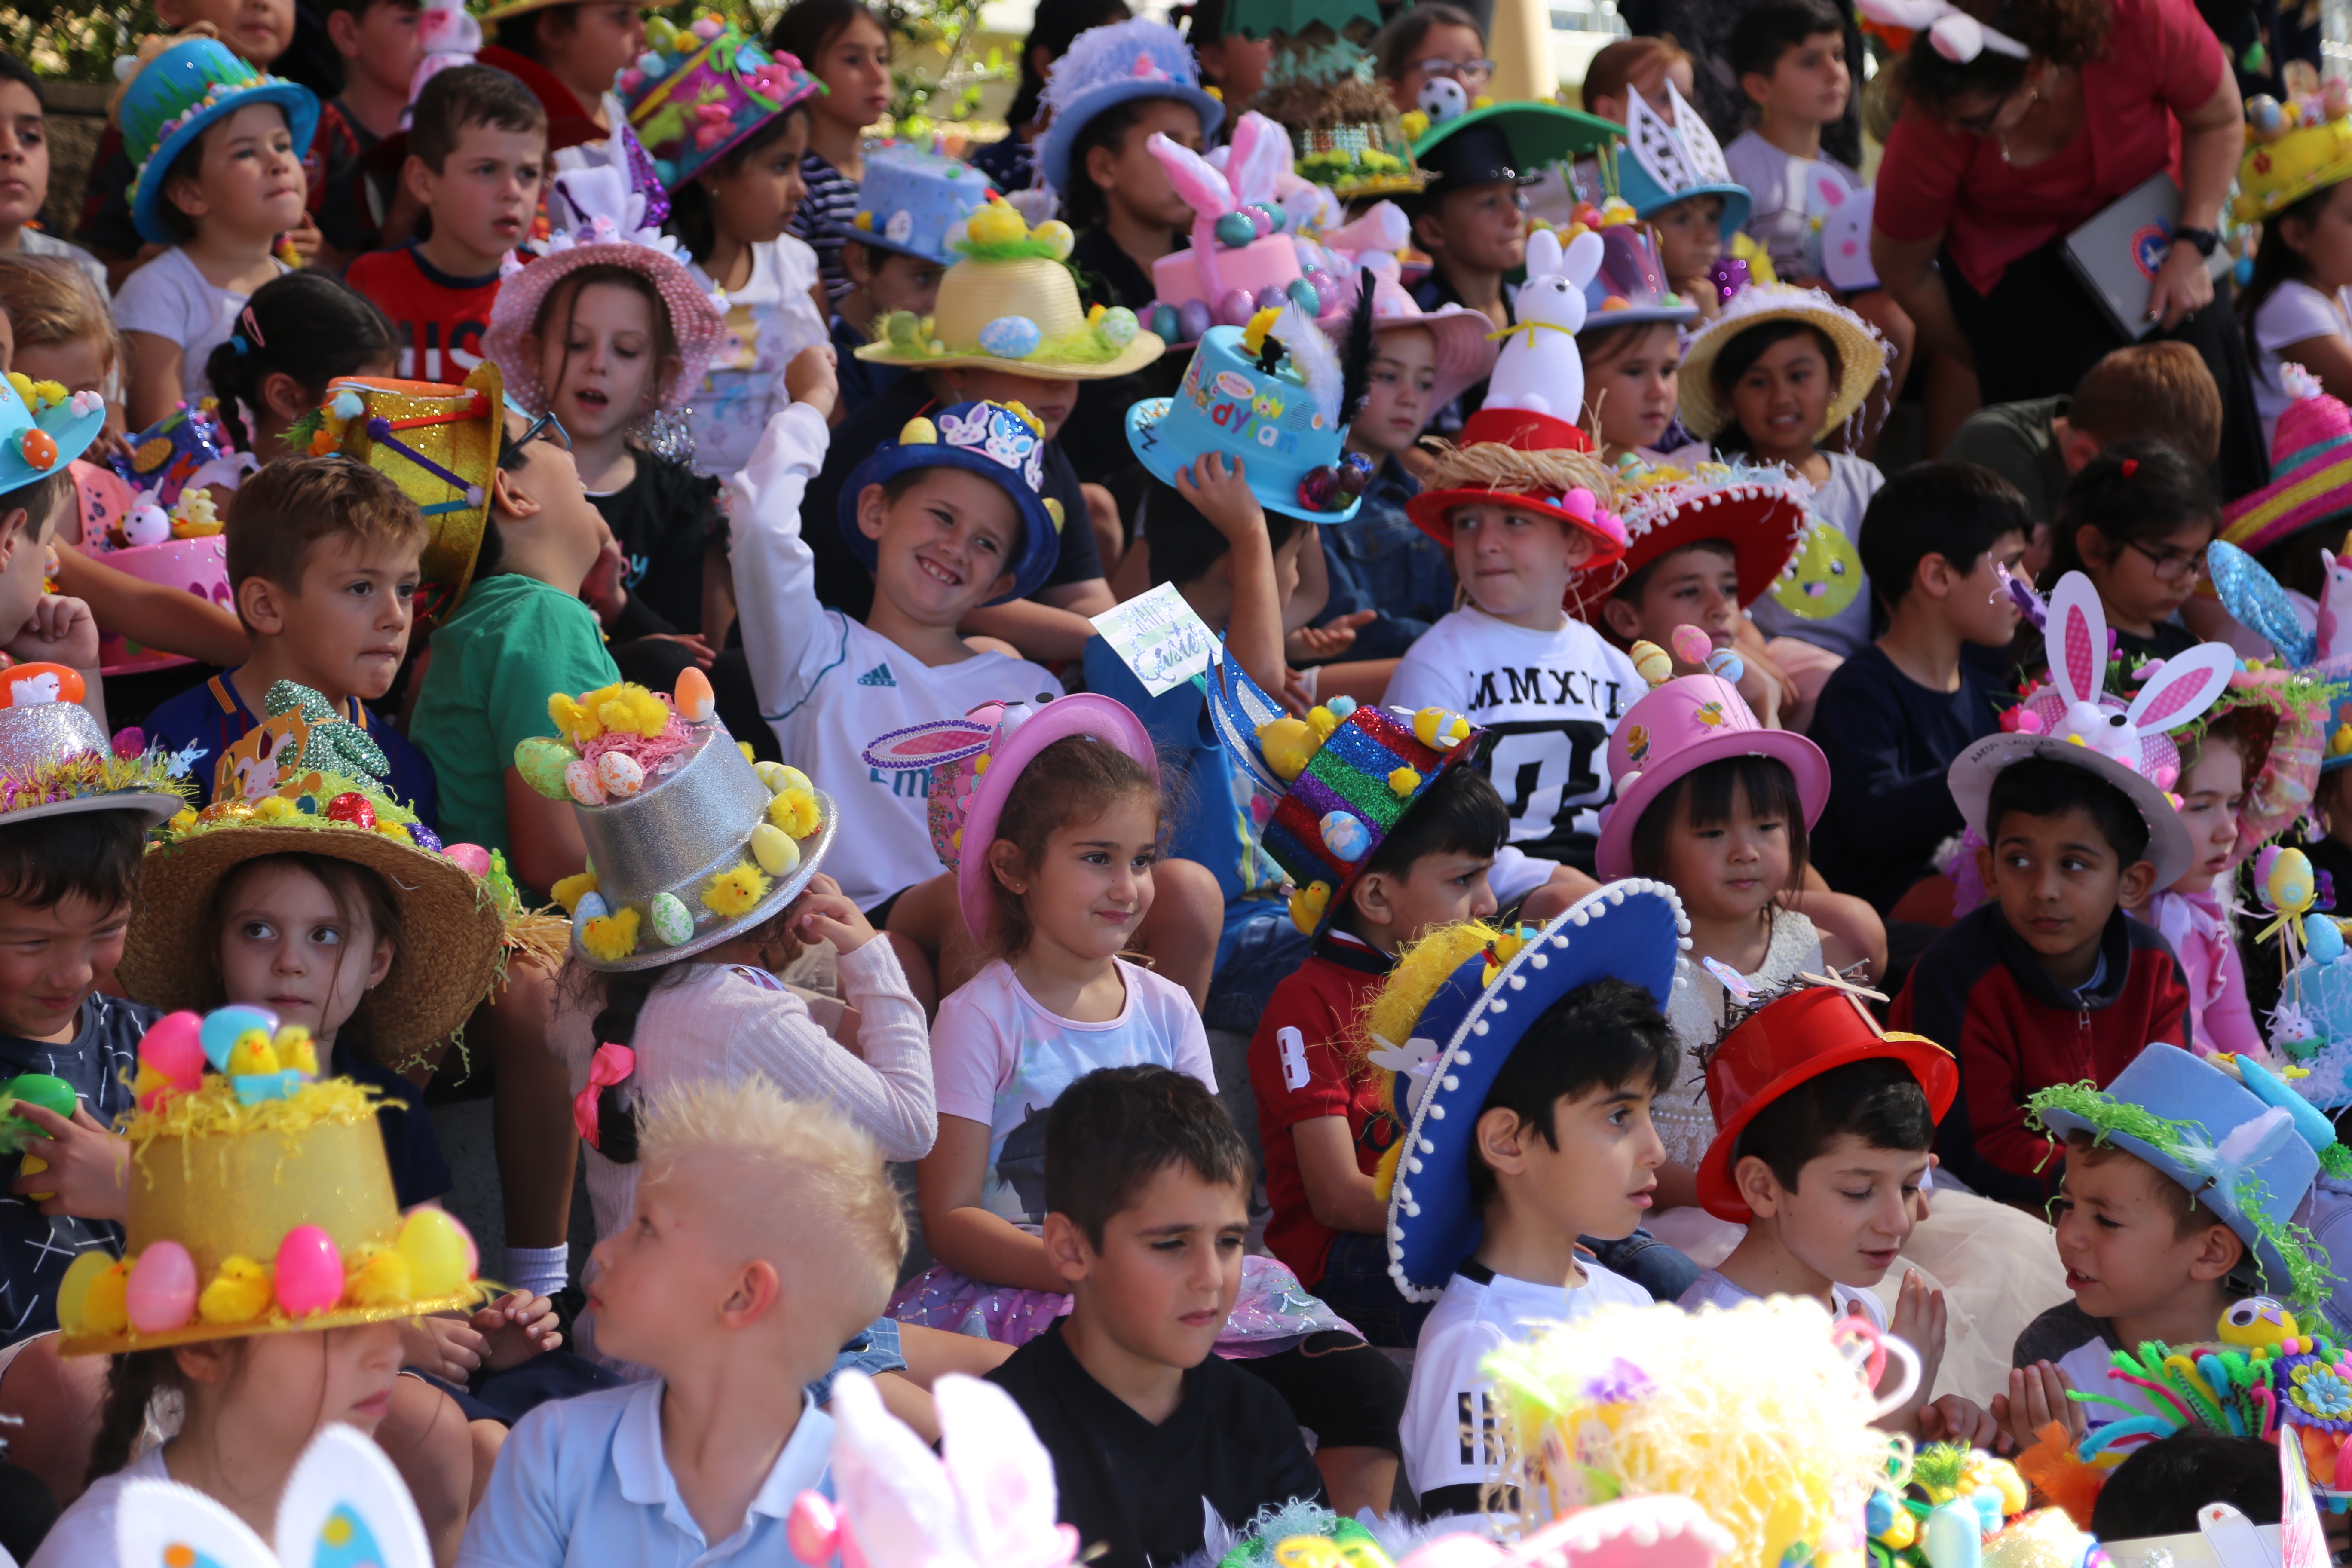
point(344, 1505)
point(991, 1500)
point(1957, 35)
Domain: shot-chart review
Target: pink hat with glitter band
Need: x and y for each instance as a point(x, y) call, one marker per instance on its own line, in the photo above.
point(2311, 469)
point(1682, 725)
point(601, 218)
point(975, 760)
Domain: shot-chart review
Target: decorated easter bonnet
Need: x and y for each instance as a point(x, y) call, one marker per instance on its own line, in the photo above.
point(344, 1505)
point(1759, 511)
point(42, 427)
point(1572, 486)
point(1665, 163)
point(1680, 725)
point(912, 198)
point(1342, 779)
point(690, 843)
point(1345, 131)
point(1247, 254)
point(2071, 720)
point(1791, 1040)
point(260, 1202)
point(186, 450)
point(1002, 443)
point(1630, 289)
point(2287, 705)
point(602, 222)
point(1449, 1016)
point(174, 96)
point(55, 760)
point(1861, 352)
point(307, 781)
point(1276, 395)
point(1010, 303)
point(2292, 150)
point(975, 760)
point(2311, 469)
point(439, 443)
point(2243, 1144)
point(698, 91)
point(1105, 67)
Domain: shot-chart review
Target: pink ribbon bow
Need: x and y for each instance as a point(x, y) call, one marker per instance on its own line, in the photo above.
point(612, 1064)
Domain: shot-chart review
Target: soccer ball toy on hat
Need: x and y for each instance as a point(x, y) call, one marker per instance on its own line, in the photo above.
point(698, 90)
point(688, 842)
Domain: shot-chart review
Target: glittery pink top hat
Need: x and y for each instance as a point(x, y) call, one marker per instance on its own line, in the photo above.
point(603, 223)
point(976, 760)
point(1682, 724)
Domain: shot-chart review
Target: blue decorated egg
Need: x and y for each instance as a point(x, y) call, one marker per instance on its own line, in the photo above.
point(1192, 321)
point(590, 907)
point(1302, 294)
point(1234, 229)
point(669, 917)
point(1274, 216)
point(1727, 664)
point(1011, 337)
point(222, 1026)
point(2321, 935)
point(1326, 290)
point(1346, 836)
point(1167, 323)
point(1117, 327)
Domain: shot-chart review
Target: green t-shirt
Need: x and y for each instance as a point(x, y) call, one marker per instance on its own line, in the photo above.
point(514, 642)
point(2015, 441)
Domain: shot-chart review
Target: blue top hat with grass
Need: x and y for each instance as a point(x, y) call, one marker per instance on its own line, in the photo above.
point(176, 98)
point(1001, 442)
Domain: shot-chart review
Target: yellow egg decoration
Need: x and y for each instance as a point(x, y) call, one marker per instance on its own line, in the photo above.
point(1654, 664)
point(74, 1288)
point(33, 1166)
point(1288, 744)
point(773, 849)
point(440, 1259)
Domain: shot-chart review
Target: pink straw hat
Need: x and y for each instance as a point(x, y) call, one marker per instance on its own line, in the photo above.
point(602, 232)
point(1679, 727)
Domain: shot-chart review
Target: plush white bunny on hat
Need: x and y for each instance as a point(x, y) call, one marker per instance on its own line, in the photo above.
point(1539, 369)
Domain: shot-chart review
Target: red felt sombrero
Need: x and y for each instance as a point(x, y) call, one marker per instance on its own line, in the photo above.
point(1760, 511)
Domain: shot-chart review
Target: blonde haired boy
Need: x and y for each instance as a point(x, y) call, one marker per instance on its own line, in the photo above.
point(765, 1235)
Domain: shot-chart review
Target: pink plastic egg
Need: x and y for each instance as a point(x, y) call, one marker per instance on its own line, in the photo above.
point(308, 1273)
point(1235, 309)
point(161, 1294)
point(1691, 645)
point(813, 1530)
point(471, 858)
point(174, 1047)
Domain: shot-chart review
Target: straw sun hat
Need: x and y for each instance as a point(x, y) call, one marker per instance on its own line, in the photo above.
point(1861, 352)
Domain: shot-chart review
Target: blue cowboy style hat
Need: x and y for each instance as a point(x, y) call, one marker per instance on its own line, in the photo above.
point(1630, 931)
point(998, 442)
point(176, 98)
point(1107, 65)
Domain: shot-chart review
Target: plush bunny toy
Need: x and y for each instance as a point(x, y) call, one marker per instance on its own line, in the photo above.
point(1539, 369)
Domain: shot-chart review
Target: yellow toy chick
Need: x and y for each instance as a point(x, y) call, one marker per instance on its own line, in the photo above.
point(794, 809)
point(567, 890)
point(296, 1050)
point(377, 1277)
point(2256, 1321)
point(737, 891)
point(238, 1294)
point(1288, 744)
point(252, 1056)
point(1308, 904)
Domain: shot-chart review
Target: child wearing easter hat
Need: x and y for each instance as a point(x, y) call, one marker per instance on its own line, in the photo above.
point(895, 251)
point(189, 111)
point(1674, 175)
point(1630, 345)
point(2298, 157)
point(724, 125)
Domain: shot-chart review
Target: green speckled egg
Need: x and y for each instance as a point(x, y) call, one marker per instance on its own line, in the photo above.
point(671, 922)
point(541, 760)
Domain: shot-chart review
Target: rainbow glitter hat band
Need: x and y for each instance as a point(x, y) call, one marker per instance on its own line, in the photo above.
point(1343, 777)
point(2311, 469)
point(698, 91)
point(172, 97)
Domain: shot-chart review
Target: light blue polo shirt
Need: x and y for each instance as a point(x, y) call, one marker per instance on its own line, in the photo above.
point(583, 1482)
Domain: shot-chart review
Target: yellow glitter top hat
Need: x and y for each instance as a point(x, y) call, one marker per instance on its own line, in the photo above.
point(260, 1201)
point(439, 443)
point(2293, 150)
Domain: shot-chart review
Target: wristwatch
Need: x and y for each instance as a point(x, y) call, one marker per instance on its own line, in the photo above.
point(2204, 239)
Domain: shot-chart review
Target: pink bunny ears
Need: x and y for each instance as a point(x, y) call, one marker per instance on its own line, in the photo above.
point(1957, 35)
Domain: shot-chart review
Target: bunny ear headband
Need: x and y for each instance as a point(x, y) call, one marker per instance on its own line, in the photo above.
point(344, 1504)
point(1957, 35)
point(2072, 720)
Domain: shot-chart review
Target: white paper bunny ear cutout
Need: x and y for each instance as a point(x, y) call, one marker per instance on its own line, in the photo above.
point(2077, 640)
point(1706, 161)
point(990, 1501)
point(1680, 156)
point(1957, 35)
point(345, 1507)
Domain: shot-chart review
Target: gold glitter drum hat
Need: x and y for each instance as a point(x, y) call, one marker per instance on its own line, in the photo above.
point(688, 842)
point(439, 443)
point(260, 1201)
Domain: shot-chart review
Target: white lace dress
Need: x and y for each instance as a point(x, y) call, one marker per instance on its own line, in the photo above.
point(1694, 1012)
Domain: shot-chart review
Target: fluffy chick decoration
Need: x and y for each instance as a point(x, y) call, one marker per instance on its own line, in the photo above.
point(239, 1293)
point(737, 891)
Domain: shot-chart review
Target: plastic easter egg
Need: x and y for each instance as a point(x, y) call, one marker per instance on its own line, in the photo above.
point(1302, 294)
point(1273, 214)
point(423, 837)
point(1234, 230)
point(813, 1528)
point(2290, 886)
point(621, 776)
point(74, 1288)
point(1726, 663)
point(695, 699)
point(580, 779)
point(1691, 645)
point(672, 924)
point(472, 858)
point(2265, 119)
point(775, 776)
point(541, 760)
point(223, 1025)
point(161, 1294)
point(774, 849)
point(49, 1092)
point(590, 907)
point(352, 807)
point(796, 779)
point(1058, 235)
point(308, 1275)
point(1272, 299)
point(1955, 1536)
point(1346, 835)
point(1117, 327)
point(1011, 337)
point(1167, 325)
point(436, 1248)
point(1877, 1514)
point(1326, 290)
point(1235, 309)
point(1193, 321)
point(33, 1166)
point(1652, 663)
point(2323, 938)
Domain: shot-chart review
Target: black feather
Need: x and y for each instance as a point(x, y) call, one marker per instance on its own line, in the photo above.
point(1356, 356)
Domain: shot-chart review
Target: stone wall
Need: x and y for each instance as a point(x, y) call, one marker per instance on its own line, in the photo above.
point(77, 114)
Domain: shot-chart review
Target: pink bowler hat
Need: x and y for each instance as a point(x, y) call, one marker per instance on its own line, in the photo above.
point(1680, 725)
point(976, 760)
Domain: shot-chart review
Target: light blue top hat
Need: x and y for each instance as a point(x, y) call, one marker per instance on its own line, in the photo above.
point(1270, 399)
point(910, 200)
point(1665, 164)
point(1107, 65)
point(175, 98)
point(1628, 931)
point(2244, 1144)
point(42, 428)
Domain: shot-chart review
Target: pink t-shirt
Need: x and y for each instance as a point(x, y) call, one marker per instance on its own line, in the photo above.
point(2162, 62)
point(2220, 1017)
